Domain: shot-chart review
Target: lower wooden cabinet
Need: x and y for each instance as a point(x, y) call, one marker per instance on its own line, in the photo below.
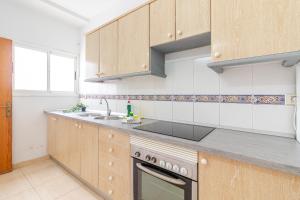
point(51, 137)
point(89, 153)
point(225, 179)
point(114, 164)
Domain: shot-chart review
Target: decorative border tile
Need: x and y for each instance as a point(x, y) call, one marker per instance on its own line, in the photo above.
point(208, 98)
point(240, 99)
point(269, 99)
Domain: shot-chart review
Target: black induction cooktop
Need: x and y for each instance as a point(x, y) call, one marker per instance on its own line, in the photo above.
point(179, 130)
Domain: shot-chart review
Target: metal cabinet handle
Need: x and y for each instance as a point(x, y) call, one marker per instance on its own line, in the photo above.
point(160, 176)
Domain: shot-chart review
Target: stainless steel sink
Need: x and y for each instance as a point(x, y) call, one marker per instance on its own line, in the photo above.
point(112, 117)
point(90, 115)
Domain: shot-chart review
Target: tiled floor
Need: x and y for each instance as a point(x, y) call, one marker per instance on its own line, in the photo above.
point(43, 180)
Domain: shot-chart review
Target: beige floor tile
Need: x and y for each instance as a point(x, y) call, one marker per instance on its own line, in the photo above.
point(13, 183)
point(42, 172)
point(57, 187)
point(80, 194)
point(26, 195)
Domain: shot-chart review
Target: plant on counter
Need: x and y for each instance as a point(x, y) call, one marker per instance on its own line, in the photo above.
point(80, 107)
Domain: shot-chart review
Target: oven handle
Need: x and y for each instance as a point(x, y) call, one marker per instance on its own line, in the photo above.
point(160, 176)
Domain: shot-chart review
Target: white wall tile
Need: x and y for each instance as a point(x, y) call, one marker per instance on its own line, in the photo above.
point(236, 115)
point(237, 80)
point(182, 75)
point(274, 118)
point(122, 106)
point(207, 113)
point(147, 109)
point(163, 110)
point(206, 81)
point(136, 107)
point(183, 112)
point(272, 78)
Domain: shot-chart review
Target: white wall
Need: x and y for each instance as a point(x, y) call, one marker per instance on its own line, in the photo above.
point(188, 74)
point(28, 26)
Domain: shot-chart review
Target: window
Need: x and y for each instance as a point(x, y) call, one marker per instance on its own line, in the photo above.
point(43, 71)
point(62, 73)
point(30, 69)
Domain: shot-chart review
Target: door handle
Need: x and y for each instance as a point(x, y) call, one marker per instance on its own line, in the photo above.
point(160, 176)
point(7, 109)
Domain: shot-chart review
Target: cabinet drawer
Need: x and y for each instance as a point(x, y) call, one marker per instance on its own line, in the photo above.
point(118, 166)
point(111, 136)
point(114, 150)
point(110, 178)
point(117, 188)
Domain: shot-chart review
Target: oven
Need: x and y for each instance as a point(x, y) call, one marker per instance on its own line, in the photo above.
point(157, 177)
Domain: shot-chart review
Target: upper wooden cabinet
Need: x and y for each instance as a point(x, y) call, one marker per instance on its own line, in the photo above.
point(162, 22)
point(220, 178)
point(134, 42)
point(92, 55)
point(251, 28)
point(192, 17)
point(177, 19)
point(109, 50)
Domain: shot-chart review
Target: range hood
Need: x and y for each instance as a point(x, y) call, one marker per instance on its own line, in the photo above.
point(288, 60)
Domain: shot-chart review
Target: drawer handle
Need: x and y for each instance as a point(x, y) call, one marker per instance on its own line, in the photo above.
point(179, 32)
point(203, 161)
point(76, 125)
point(53, 119)
point(217, 55)
point(170, 35)
point(110, 178)
point(110, 192)
point(79, 126)
point(110, 164)
point(110, 150)
point(110, 136)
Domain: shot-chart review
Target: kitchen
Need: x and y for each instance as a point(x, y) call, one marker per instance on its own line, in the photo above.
point(158, 99)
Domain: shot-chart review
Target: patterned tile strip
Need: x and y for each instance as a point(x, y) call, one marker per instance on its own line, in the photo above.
point(241, 99)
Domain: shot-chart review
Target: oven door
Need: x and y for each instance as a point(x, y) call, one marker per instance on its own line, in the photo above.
point(154, 183)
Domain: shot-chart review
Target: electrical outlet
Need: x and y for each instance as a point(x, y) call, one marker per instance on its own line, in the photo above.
point(290, 99)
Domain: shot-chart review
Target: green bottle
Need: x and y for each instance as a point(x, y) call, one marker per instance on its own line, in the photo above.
point(128, 108)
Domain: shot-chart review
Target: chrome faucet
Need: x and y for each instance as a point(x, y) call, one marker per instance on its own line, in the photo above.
point(108, 110)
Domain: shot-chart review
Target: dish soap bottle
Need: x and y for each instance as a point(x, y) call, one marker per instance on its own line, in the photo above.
point(128, 108)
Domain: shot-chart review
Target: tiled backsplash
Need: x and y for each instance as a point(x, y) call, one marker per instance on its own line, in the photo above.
point(251, 97)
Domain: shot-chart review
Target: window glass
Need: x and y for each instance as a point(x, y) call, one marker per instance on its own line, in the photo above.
point(30, 68)
point(62, 73)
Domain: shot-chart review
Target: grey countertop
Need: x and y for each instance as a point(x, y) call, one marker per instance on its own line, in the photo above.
point(263, 150)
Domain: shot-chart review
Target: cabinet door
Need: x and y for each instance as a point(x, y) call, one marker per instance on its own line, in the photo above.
point(109, 50)
point(62, 140)
point(92, 55)
point(192, 17)
point(220, 178)
point(250, 28)
point(74, 147)
point(162, 22)
point(89, 153)
point(51, 132)
point(134, 42)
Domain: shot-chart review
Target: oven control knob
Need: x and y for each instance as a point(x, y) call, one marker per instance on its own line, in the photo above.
point(183, 171)
point(137, 154)
point(162, 163)
point(148, 158)
point(175, 168)
point(153, 159)
point(169, 166)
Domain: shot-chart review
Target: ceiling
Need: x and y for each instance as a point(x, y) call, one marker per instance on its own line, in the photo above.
point(77, 12)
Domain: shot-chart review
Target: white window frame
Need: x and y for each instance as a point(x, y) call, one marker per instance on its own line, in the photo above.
point(48, 92)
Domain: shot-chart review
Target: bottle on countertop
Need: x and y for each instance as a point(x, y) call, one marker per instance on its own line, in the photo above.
point(129, 108)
